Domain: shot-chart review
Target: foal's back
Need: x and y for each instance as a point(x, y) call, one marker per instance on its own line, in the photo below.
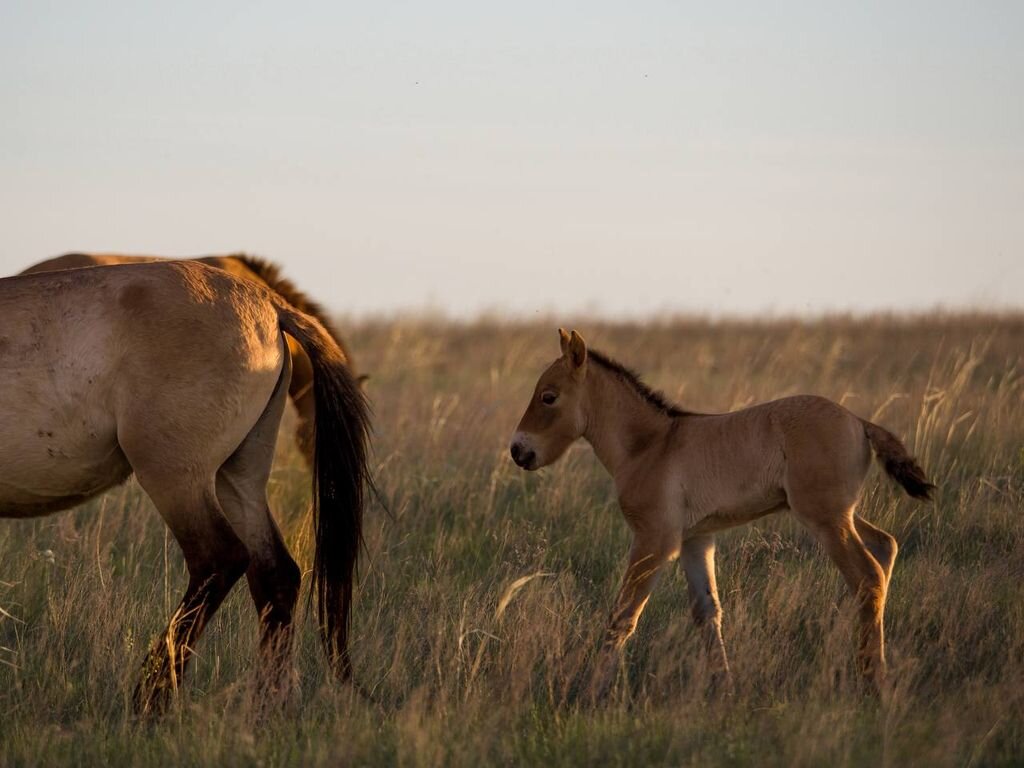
point(743, 464)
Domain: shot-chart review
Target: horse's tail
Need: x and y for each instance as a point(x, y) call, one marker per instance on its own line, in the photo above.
point(340, 477)
point(898, 463)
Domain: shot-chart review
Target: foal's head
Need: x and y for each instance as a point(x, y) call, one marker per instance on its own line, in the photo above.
point(555, 417)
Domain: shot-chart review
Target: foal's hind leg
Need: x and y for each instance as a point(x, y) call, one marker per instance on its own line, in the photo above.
point(881, 545)
point(273, 575)
point(834, 527)
point(699, 563)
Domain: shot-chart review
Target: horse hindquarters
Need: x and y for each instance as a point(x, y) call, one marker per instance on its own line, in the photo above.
point(823, 495)
point(178, 449)
point(865, 579)
point(274, 577)
point(827, 460)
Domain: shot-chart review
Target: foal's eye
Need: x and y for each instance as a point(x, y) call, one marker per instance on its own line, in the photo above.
point(548, 398)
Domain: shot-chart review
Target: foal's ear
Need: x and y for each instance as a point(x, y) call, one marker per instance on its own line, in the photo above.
point(563, 339)
point(576, 351)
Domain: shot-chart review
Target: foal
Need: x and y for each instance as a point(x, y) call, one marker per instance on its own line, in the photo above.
point(681, 476)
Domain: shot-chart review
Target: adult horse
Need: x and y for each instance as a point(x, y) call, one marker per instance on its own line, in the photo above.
point(179, 373)
point(300, 388)
point(683, 476)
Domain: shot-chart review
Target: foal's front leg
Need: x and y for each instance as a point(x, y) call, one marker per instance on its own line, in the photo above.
point(699, 564)
point(650, 552)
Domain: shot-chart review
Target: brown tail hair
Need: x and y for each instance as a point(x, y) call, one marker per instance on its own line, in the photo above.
point(899, 465)
point(340, 478)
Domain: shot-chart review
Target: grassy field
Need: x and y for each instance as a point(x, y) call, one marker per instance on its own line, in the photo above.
point(459, 682)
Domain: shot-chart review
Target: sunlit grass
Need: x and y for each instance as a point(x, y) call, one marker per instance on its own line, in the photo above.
point(459, 681)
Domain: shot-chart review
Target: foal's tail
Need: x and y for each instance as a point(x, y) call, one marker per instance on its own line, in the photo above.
point(899, 465)
point(340, 477)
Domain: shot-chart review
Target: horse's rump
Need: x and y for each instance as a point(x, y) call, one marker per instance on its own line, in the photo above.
point(178, 372)
point(93, 360)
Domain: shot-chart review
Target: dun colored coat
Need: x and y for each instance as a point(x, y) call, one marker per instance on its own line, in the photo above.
point(300, 387)
point(179, 373)
point(682, 476)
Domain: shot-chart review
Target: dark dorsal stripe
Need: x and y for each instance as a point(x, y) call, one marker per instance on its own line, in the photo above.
point(629, 376)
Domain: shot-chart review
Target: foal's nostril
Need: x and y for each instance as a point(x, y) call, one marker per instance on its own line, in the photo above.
point(523, 457)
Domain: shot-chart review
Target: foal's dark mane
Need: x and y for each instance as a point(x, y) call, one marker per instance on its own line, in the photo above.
point(651, 396)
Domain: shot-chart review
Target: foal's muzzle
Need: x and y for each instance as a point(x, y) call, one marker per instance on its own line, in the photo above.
point(523, 457)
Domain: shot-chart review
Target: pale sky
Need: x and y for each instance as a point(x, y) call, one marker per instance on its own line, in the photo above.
point(627, 158)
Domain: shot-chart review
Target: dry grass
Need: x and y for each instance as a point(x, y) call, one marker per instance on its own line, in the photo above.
point(471, 661)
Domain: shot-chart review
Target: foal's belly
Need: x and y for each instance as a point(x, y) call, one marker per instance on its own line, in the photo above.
point(718, 506)
point(735, 513)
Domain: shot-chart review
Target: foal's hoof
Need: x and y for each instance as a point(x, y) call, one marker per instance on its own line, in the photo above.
point(597, 692)
point(871, 688)
point(719, 687)
point(603, 690)
point(365, 694)
point(596, 698)
point(151, 700)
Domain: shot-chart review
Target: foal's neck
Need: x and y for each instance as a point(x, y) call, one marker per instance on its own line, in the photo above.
point(621, 425)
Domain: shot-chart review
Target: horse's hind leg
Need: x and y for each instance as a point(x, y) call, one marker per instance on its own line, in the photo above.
point(178, 468)
point(881, 545)
point(216, 559)
point(274, 578)
point(699, 563)
point(274, 581)
point(833, 525)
